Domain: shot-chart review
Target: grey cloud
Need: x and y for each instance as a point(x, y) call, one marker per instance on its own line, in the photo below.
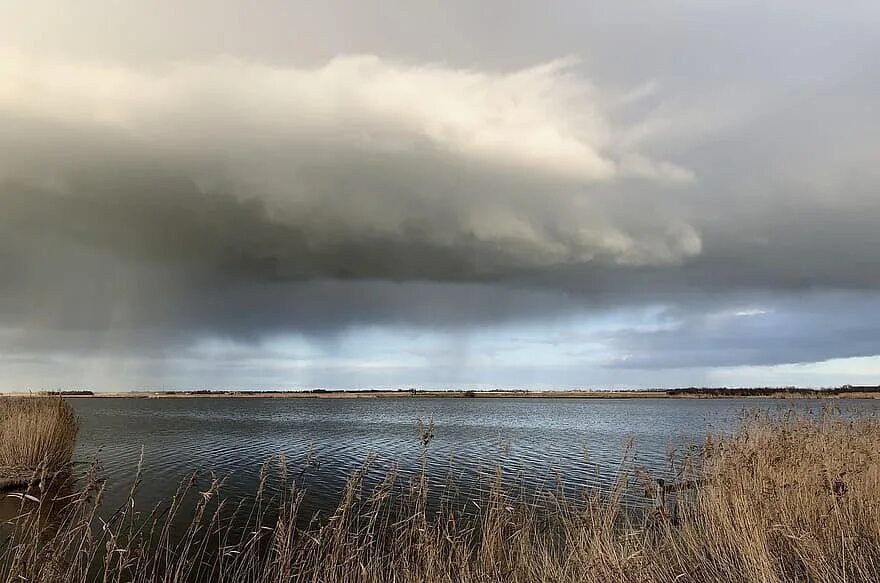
point(342, 169)
point(136, 205)
point(148, 203)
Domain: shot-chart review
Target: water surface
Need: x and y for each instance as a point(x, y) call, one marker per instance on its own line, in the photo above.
point(534, 441)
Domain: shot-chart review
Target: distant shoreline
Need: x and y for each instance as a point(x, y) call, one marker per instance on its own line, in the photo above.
point(845, 392)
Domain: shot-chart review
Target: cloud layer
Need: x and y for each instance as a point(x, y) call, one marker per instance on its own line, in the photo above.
point(197, 196)
point(149, 205)
point(359, 168)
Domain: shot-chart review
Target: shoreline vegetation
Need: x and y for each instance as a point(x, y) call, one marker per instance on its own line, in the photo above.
point(789, 496)
point(842, 392)
point(37, 439)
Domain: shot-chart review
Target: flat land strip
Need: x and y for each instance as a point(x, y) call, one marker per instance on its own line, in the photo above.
point(846, 392)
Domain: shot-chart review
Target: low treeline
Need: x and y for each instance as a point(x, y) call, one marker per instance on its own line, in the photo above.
point(787, 497)
point(769, 391)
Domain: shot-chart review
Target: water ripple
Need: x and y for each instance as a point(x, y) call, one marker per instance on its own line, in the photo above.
point(534, 442)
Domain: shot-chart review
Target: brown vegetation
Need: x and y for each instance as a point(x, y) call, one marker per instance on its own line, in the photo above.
point(37, 435)
point(791, 498)
point(847, 391)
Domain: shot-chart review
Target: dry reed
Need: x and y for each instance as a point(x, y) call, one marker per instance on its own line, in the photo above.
point(37, 435)
point(791, 498)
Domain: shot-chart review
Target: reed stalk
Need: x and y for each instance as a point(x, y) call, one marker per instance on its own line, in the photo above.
point(37, 437)
point(785, 498)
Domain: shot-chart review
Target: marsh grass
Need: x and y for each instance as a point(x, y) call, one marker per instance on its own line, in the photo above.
point(785, 498)
point(37, 436)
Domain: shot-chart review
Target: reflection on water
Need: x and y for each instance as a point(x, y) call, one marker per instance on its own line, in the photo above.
point(37, 510)
point(533, 440)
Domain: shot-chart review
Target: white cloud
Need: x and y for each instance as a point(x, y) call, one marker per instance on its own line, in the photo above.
point(493, 165)
point(542, 118)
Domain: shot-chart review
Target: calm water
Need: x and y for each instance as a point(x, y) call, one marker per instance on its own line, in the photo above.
point(533, 440)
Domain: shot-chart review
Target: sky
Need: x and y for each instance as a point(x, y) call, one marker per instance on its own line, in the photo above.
point(457, 194)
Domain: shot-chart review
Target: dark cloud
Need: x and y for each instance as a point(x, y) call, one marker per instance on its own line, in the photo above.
point(148, 204)
point(124, 210)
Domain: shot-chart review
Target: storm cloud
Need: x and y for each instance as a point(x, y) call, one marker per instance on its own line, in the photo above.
point(231, 174)
point(152, 204)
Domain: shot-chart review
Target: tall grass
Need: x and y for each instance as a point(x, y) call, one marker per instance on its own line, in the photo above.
point(791, 498)
point(37, 434)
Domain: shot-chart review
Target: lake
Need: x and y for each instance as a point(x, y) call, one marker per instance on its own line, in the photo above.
point(533, 440)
